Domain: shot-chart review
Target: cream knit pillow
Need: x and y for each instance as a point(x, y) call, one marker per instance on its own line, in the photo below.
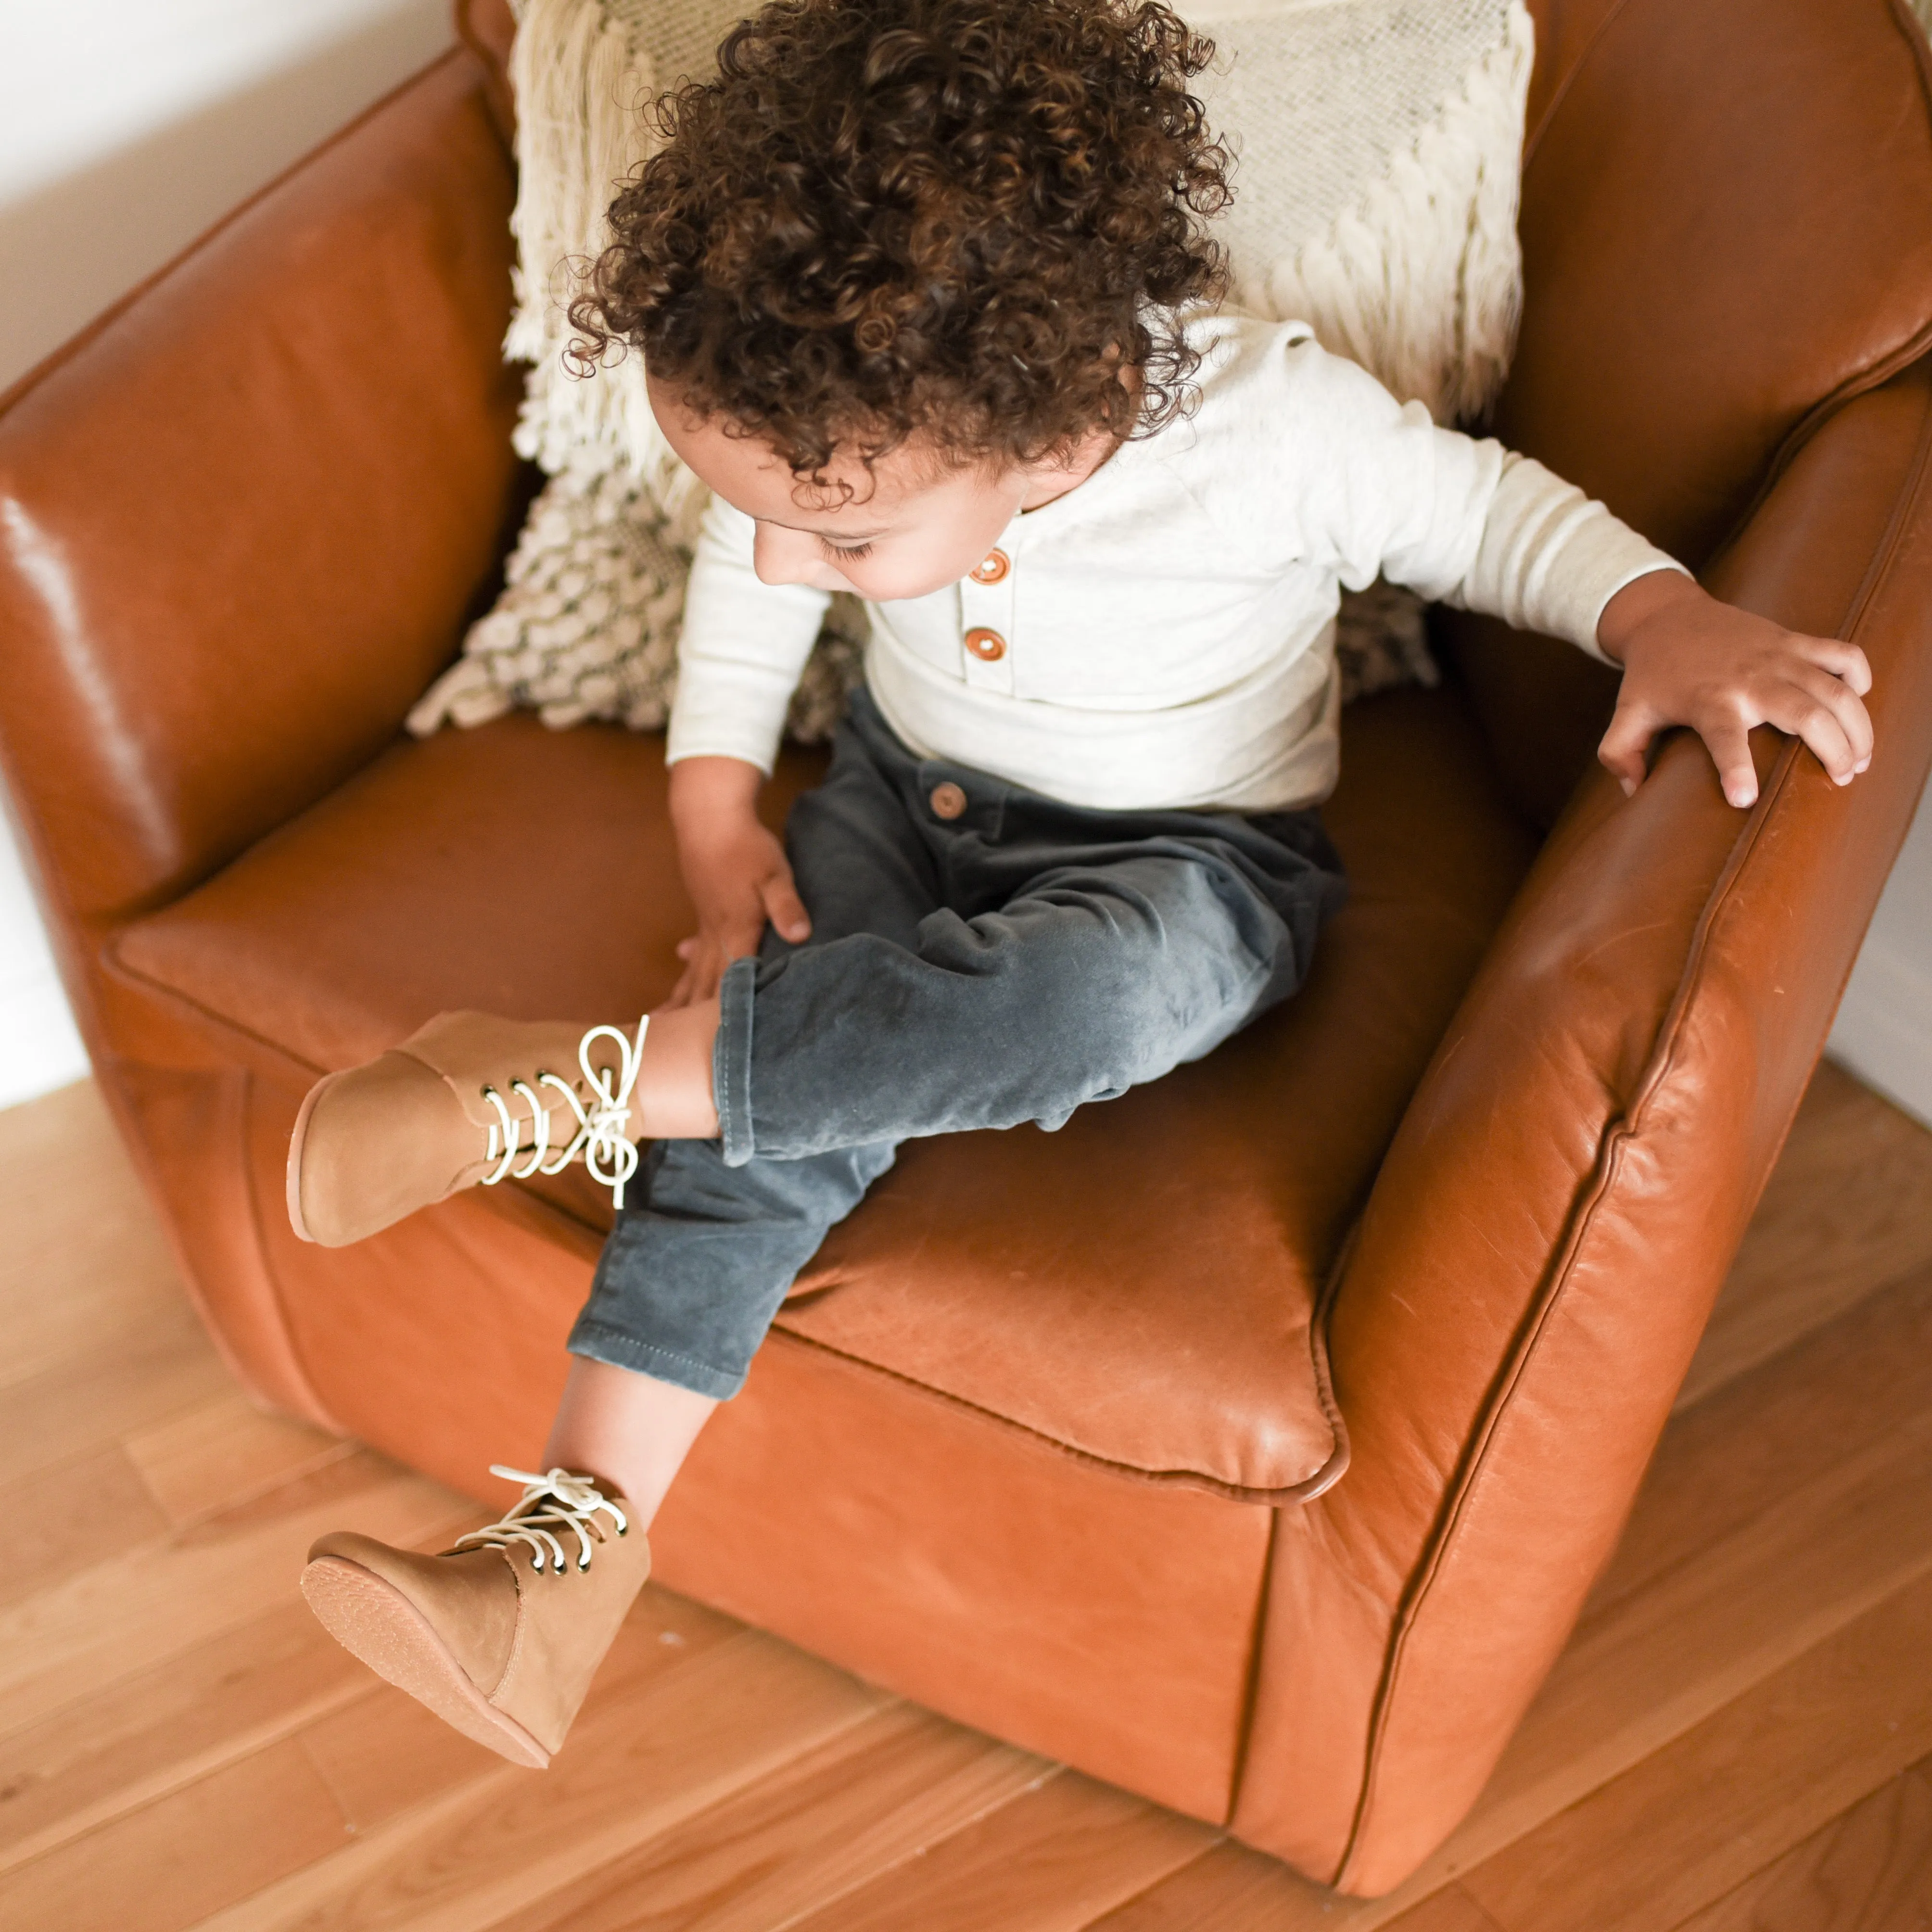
point(1378, 145)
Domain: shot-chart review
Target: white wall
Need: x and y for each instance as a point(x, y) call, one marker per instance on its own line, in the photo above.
point(1884, 1033)
point(126, 128)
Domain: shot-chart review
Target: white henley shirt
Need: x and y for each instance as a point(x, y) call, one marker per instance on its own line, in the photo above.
point(1163, 635)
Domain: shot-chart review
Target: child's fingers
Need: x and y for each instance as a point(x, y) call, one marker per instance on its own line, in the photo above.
point(1622, 752)
point(1842, 660)
point(1730, 746)
point(1813, 717)
point(785, 909)
point(1846, 706)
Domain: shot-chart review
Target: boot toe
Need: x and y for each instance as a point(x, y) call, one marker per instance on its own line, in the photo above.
point(374, 1144)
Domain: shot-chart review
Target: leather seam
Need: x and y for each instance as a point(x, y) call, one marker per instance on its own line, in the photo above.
point(1617, 1133)
point(1251, 1677)
point(1861, 382)
point(1910, 493)
point(119, 967)
point(270, 1278)
point(1569, 80)
point(1873, 375)
point(1876, 373)
point(1181, 1479)
point(239, 1078)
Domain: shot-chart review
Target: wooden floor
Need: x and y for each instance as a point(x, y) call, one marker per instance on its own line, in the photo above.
point(1738, 1738)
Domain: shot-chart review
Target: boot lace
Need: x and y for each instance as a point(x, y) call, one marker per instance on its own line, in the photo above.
point(600, 1137)
point(553, 1506)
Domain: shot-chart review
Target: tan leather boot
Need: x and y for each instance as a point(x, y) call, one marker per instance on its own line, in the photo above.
point(500, 1635)
point(468, 1098)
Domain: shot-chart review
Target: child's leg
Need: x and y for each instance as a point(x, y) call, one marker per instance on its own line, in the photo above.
point(501, 1638)
point(627, 1428)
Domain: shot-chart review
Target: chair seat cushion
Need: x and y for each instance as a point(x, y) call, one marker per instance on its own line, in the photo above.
point(1141, 1287)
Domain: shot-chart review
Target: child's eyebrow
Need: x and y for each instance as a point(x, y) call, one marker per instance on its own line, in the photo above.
point(816, 530)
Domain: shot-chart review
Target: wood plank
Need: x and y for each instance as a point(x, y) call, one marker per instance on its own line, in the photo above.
point(223, 1451)
point(151, 1601)
point(1748, 1447)
point(167, 1865)
point(1451, 1911)
point(144, 1736)
point(1666, 1658)
point(811, 1832)
point(386, 1753)
point(1869, 1870)
point(1052, 1860)
point(1848, 1209)
point(1705, 1634)
point(75, 1516)
point(1712, 1752)
point(1764, 1772)
point(1228, 1888)
point(636, 1766)
point(84, 1255)
point(162, 1362)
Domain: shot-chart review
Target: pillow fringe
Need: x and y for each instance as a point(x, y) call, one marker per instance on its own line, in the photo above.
point(1430, 309)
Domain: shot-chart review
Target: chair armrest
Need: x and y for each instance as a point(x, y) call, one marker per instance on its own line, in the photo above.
point(1565, 1194)
point(241, 517)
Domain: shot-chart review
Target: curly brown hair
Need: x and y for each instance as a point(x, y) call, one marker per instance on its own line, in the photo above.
point(962, 220)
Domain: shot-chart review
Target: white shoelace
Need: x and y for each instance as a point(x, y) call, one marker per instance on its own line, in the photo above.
point(601, 1136)
point(553, 1506)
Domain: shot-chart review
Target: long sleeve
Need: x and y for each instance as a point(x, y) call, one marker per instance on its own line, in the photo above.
point(743, 649)
point(1464, 521)
point(1551, 557)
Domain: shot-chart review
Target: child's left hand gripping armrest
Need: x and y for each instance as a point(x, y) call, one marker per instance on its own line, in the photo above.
point(1690, 659)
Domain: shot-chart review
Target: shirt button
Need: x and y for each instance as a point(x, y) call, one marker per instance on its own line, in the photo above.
point(947, 800)
point(994, 566)
point(987, 646)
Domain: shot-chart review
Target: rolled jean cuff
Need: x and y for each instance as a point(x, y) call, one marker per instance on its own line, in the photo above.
point(598, 1342)
point(731, 1062)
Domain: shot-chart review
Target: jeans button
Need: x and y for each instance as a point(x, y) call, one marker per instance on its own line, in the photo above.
point(947, 800)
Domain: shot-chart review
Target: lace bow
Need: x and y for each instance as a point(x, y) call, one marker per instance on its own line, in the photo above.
point(601, 1136)
point(553, 1506)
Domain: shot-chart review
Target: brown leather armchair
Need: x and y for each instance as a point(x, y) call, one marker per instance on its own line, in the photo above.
point(1049, 1436)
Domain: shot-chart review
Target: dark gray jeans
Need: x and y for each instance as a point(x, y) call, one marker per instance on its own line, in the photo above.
point(972, 967)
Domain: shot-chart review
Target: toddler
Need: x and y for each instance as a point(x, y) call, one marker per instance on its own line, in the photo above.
point(927, 298)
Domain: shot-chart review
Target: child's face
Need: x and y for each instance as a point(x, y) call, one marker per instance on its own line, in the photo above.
point(910, 525)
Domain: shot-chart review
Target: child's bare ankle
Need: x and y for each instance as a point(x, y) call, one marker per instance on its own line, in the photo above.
point(672, 1099)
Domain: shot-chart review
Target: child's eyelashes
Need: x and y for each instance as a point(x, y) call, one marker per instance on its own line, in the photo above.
point(844, 553)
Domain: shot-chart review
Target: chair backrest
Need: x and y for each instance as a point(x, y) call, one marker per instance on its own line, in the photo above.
point(1727, 234)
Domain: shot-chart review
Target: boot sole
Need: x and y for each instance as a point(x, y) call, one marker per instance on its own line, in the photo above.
point(377, 1623)
point(297, 1141)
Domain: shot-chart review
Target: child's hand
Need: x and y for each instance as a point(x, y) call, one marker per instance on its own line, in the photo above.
point(1689, 659)
point(736, 871)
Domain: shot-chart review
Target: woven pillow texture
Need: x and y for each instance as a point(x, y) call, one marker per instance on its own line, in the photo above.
point(1379, 146)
